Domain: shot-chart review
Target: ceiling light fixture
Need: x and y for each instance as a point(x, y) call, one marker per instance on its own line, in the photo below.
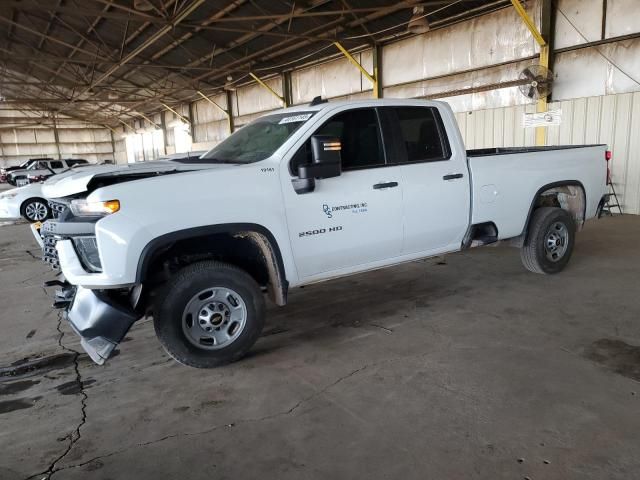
point(418, 22)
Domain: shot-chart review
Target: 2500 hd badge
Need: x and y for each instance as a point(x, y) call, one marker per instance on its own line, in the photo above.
point(319, 231)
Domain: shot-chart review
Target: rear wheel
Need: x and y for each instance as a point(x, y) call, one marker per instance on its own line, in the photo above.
point(212, 313)
point(550, 240)
point(36, 210)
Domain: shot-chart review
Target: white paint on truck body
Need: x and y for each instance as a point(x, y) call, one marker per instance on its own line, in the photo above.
point(344, 226)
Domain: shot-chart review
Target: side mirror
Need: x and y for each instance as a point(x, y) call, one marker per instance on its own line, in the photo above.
point(326, 162)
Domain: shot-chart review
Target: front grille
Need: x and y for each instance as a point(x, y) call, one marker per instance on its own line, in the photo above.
point(57, 208)
point(49, 252)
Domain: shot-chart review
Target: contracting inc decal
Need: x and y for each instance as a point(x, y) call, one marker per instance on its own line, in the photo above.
point(329, 211)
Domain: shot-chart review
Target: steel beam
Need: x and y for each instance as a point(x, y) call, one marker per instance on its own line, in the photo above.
point(165, 138)
point(528, 21)
point(268, 88)
point(377, 71)
point(56, 136)
point(48, 37)
point(230, 110)
point(328, 32)
point(127, 125)
point(142, 115)
point(287, 90)
point(188, 10)
point(183, 118)
point(215, 104)
point(371, 78)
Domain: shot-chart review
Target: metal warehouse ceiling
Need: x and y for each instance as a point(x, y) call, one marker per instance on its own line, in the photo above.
point(100, 60)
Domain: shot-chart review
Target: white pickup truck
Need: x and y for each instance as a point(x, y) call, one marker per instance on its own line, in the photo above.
point(298, 196)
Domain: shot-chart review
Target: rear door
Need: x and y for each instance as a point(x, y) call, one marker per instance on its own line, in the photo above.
point(435, 180)
point(351, 220)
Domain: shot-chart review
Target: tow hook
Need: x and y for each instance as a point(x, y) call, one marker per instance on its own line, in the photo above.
point(64, 295)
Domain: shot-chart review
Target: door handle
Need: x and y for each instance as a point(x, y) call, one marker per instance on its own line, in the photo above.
point(453, 176)
point(378, 186)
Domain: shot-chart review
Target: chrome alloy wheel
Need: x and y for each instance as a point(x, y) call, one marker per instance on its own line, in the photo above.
point(556, 241)
point(36, 211)
point(214, 318)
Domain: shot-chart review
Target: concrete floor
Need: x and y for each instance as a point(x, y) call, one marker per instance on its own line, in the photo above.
point(469, 368)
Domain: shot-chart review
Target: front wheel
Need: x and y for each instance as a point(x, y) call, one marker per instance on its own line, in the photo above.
point(212, 313)
point(549, 241)
point(36, 210)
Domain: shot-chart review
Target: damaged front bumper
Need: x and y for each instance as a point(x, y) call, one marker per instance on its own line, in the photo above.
point(100, 316)
point(100, 321)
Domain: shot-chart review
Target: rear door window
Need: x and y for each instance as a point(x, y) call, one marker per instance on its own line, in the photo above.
point(56, 164)
point(421, 134)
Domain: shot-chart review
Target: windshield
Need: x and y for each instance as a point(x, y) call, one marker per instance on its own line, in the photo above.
point(257, 140)
point(26, 164)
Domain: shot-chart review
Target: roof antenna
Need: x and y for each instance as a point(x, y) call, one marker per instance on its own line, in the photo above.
point(317, 101)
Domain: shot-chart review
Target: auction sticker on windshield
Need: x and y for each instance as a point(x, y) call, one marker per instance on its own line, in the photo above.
point(296, 118)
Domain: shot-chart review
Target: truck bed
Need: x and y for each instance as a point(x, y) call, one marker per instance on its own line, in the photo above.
point(504, 181)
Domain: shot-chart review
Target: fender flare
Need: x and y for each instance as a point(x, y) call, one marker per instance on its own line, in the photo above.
point(548, 186)
point(272, 253)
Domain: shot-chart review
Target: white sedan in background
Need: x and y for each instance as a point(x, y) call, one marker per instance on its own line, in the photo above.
point(27, 202)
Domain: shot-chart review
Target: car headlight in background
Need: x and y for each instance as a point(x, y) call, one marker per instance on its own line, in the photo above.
point(87, 248)
point(82, 208)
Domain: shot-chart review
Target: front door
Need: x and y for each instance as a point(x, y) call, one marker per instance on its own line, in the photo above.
point(352, 220)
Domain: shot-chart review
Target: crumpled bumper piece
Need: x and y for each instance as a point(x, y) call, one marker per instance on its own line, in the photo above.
point(100, 323)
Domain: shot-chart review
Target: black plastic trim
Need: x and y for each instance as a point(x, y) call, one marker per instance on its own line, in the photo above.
point(484, 152)
point(548, 186)
point(93, 314)
point(378, 186)
point(158, 243)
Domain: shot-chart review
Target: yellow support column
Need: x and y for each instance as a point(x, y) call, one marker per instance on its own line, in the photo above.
point(183, 118)
point(541, 132)
point(541, 107)
point(372, 78)
point(226, 112)
point(271, 90)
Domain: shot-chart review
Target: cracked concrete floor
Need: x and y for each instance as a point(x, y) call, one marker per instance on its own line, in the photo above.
point(467, 368)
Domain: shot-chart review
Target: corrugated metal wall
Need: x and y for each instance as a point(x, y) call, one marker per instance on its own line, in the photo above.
point(610, 119)
point(479, 53)
point(20, 144)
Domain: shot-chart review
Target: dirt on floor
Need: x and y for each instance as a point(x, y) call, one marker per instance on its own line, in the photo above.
point(456, 368)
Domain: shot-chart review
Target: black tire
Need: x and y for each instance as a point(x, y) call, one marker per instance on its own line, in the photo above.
point(536, 255)
point(27, 212)
point(181, 289)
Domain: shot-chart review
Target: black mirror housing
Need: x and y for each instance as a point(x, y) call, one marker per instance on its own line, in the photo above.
point(326, 160)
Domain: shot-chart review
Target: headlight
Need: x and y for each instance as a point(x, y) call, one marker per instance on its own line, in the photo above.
point(8, 195)
point(82, 208)
point(87, 249)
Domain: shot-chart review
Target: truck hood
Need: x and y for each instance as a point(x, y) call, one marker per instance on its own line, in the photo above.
point(77, 181)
